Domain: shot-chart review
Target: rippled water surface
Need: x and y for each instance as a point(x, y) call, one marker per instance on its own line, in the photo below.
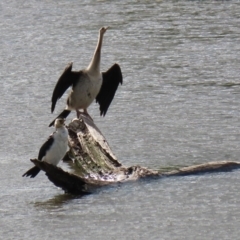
point(179, 105)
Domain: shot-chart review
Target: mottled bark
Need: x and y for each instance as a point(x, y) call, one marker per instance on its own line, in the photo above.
point(93, 164)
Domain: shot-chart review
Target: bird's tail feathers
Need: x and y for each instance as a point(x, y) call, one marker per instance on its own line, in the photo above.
point(63, 114)
point(33, 172)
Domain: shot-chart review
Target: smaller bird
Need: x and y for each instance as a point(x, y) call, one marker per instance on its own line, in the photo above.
point(54, 149)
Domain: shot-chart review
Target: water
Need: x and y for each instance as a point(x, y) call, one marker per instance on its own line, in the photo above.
point(179, 105)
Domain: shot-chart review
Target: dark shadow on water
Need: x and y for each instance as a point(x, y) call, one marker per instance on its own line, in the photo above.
point(58, 201)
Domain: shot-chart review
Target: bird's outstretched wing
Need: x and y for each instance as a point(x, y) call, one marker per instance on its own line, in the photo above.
point(111, 79)
point(67, 79)
point(45, 147)
point(63, 114)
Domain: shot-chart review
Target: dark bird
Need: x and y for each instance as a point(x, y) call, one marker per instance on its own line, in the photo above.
point(54, 149)
point(88, 84)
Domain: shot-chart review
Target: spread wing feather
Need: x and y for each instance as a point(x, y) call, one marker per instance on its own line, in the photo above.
point(67, 79)
point(111, 79)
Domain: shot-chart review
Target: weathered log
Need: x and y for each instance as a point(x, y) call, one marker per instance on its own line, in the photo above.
point(209, 167)
point(93, 164)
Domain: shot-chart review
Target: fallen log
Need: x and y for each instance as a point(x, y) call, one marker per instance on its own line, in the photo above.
point(92, 163)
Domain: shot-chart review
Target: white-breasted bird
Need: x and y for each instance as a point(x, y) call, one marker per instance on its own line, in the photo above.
point(54, 149)
point(88, 84)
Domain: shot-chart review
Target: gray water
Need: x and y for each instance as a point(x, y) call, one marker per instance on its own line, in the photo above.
point(179, 105)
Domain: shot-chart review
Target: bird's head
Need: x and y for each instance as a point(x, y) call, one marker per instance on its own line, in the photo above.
point(103, 30)
point(59, 122)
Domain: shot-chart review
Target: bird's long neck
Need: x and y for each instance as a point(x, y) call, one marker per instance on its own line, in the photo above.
point(94, 65)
